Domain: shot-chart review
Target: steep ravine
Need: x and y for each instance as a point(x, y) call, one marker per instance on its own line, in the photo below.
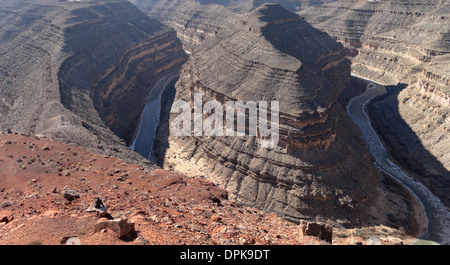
point(96, 54)
point(123, 78)
point(151, 115)
point(405, 46)
point(317, 172)
point(79, 72)
point(437, 215)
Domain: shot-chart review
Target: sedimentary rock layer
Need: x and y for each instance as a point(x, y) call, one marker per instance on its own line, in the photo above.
point(321, 168)
point(193, 21)
point(80, 71)
point(404, 42)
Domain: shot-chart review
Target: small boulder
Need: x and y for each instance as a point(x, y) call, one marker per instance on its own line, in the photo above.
point(120, 226)
point(4, 219)
point(373, 241)
point(6, 203)
point(216, 218)
point(394, 240)
point(70, 194)
point(70, 240)
point(321, 231)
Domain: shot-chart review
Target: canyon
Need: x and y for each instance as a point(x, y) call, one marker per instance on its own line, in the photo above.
point(38, 172)
point(321, 170)
point(82, 72)
point(394, 43)
point(405, 46)
point(79, 72)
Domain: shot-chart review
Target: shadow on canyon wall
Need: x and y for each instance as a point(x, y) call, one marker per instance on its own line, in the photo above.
point(161, 142)
point(405, 147)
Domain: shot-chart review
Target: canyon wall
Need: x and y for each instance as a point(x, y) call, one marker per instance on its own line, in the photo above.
point(405, 43)
point(80, 72)
point(69, 69)
point(321, 168)
point(193, 21)
point(291, 5)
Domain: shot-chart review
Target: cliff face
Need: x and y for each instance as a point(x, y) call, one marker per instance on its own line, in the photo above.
point(193, 21)
point(80, 71)
point(391, 40)
point(119, 66)
point(291, 5)
point(404, 42)
point(321, 168)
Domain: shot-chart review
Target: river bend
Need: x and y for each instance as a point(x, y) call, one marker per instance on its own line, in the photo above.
point(438, 217)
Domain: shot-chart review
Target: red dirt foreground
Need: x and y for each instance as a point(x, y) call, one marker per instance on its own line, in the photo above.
point(48, 190)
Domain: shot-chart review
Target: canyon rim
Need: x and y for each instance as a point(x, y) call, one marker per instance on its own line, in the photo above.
point(98, 76)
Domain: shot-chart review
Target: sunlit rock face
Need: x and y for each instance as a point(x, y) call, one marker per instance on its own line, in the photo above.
point(404, 42)
point(80, 71)
point(321, 168)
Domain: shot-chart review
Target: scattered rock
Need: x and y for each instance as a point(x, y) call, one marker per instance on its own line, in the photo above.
point(140, 212)
point(394, 240)
point(176, 214)
point(373, 241)
point(4, 219)
point(216, 218)
point(50, 213)
point(94, 209)
point(216, 201)
point(6, 203)
point(167, 220)
point(45, 148)
point(321, 231)
point(70, 240)
point(70, 194)
point(197, 228)
point(120, 226)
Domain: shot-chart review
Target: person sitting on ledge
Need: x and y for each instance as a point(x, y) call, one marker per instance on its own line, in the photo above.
point(99, 203)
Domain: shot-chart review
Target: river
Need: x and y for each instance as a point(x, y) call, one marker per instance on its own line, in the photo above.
point(143, 143)
point(438, 217)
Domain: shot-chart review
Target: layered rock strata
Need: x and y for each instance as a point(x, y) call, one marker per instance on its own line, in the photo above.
point(320, 169)
point(291, 5)
point(164, 208)
point(390, 40)
point(193, 21)
point(196, 21)
point(80, 72)
point(405, 43)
